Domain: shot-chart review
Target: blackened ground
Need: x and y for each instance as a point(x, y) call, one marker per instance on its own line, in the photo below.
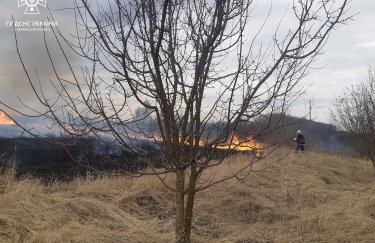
point(50, 161)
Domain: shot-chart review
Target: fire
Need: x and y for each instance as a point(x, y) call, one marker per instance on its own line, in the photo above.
point(244, 146)
point(5, 120)
point(234, 144)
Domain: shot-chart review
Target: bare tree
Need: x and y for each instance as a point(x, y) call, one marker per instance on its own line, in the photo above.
point(196, 63)
point(355, 112)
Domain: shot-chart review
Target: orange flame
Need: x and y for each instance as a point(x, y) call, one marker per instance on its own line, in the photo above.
point(244, 146)
point(235, 144)
point(5, 120)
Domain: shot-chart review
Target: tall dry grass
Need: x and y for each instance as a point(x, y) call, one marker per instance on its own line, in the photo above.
point(312, 197)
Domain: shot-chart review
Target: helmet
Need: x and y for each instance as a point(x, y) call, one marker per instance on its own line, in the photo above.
point(299, 132)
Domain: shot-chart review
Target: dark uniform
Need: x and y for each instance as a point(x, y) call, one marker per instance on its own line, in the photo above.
point(300, 139)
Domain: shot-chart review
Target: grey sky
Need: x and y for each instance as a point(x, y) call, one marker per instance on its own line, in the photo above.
point(345, 61)
point(347, 55)
point(12, 78)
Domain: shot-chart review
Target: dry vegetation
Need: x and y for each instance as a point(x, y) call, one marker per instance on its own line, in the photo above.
point(313, 197)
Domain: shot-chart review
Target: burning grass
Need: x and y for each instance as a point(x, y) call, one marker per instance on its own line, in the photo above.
point(312, 197)
point(233, 144)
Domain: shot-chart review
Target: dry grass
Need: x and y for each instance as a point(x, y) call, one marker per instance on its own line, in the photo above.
point(313, 197)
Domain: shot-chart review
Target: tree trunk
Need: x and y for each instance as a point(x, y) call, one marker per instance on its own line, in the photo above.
point(190, 202)
point(180, 206)
point(370, 155)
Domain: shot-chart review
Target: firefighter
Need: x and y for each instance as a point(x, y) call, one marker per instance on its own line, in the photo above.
point(300, 140)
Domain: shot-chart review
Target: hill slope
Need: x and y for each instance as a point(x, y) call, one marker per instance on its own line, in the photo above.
point(312, 197)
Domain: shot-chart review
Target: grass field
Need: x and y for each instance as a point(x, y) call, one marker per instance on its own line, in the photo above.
point(312, 197)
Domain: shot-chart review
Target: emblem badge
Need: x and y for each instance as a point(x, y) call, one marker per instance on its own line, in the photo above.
point(32, 5)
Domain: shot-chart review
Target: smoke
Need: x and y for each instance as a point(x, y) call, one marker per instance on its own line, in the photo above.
point(14, 84)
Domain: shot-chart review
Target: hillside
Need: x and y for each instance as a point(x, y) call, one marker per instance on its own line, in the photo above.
point(312, 197)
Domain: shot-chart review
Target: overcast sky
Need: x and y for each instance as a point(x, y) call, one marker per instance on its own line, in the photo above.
point(347, 55)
